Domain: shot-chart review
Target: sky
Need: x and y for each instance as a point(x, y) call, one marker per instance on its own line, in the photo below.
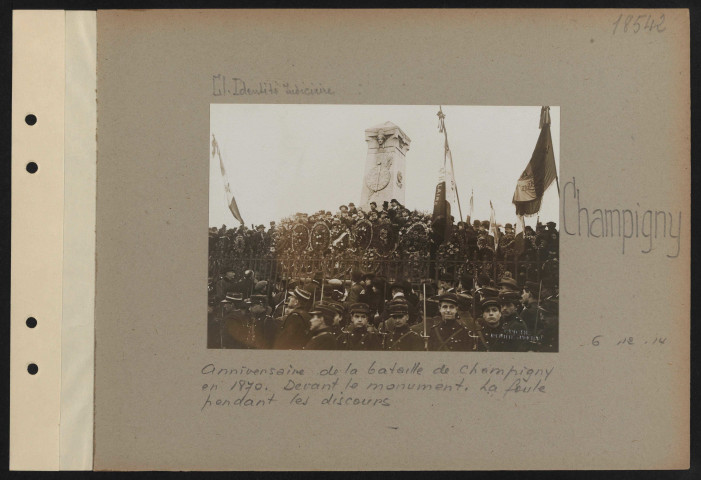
point(283, 159)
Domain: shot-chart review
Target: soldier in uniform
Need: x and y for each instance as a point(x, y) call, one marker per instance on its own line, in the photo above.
point(529, 298)
point(224, 285)
point(320, 328)
point(548, 326)
point(235, 324)
point(295, 328)
point(449, 334)
point(356, 287)
point(356, 336)
point(502, 330)
point(339, 321)
point(402, 338)
point(508, 283)
point(264, 327)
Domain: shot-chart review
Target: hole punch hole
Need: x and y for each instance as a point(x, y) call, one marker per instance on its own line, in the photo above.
point(31, 322)
point(30, 119)
point(32, 167)
point(32, 368)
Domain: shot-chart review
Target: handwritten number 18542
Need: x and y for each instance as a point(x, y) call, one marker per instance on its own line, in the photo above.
point(634, 24)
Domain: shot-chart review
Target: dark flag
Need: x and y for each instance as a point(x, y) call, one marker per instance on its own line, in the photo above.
point(440, 221)
point(539, 173)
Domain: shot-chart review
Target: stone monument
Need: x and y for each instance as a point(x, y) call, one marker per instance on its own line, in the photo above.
point(385, 165)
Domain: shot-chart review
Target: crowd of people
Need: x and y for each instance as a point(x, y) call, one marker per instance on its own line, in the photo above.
point(371, 313)
point(390, 233)
point(472, 298)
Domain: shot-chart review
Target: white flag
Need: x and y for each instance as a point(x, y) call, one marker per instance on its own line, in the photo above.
point(225, 178)
point(493, 228)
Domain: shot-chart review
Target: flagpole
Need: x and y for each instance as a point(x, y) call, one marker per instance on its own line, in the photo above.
point(215, 146)
point(441, 118)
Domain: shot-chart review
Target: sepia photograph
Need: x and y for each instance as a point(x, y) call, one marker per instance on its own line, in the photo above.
point(384, 227)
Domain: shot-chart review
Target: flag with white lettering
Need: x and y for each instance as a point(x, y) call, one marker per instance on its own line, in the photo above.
point(227, 188)
point(539, 173)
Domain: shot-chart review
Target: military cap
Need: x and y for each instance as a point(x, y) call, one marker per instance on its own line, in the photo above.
point(360, 308)
point(261, 286)
point(489, 292)
point(324, 310)
point(509, 296)
point(260, 226)
point(394, 200)
point(508, 226)
point(464, 300)
point(302, 293)
point(373, 203)
point(448, 298)
point(485, 223)
point(533, 287)
point(550, 225)
point(398, 308)
point(337, 306)
point(351, 204)
point(508, 283)
point(489, 302)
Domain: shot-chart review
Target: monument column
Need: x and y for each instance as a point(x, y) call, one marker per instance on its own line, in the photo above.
point(385, 165)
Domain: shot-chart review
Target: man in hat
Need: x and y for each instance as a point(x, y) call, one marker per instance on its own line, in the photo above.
point(401, 337)
point(356, 287)
point(224, 285)
point(351, 209)
point(339, 320)
point(394, 209)
point(508, 283)
point(320, 328)
point(336, 290)
point(235, 322)
point(295, 328)
point(502, 330)
point(262, 327)
point(357, 336)
point(282, 303)
point(449, 335)
point(549, 324)
point(529, 299)
point(373, 207)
